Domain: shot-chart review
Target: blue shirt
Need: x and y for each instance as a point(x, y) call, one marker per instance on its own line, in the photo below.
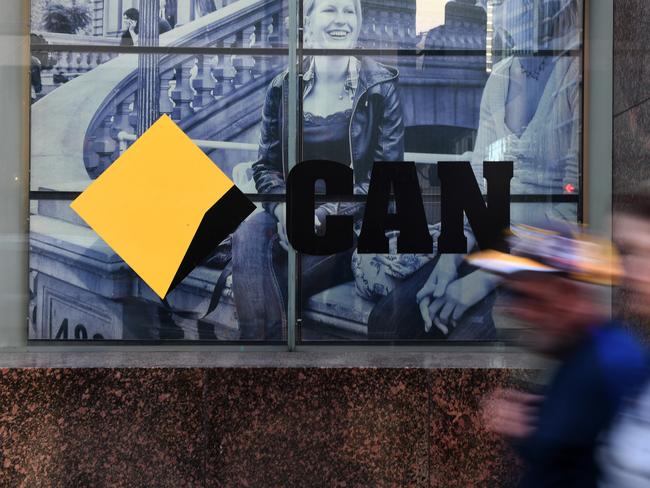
point(579, 404)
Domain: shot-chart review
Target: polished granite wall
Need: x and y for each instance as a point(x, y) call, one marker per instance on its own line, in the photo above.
point(631, 107)
point(631, 114)
point(256, 427)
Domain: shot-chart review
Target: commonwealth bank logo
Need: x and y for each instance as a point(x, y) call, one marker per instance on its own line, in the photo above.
point(163, 206)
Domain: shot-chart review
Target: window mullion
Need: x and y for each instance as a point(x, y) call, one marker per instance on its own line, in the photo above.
point(293, 126)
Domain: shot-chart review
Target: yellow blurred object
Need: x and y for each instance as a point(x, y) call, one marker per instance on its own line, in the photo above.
point(566, 250)
point(504, 263)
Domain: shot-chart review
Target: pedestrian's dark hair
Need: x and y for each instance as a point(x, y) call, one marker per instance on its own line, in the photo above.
point(635, 202)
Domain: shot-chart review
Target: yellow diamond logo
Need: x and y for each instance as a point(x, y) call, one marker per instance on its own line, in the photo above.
point(163, 206)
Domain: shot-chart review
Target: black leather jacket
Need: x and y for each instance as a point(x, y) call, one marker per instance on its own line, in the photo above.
point(376, 130)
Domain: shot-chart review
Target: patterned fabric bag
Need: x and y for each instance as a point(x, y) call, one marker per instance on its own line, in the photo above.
point(376, 275)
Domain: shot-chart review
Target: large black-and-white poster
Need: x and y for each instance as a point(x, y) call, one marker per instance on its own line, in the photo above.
point(381, 80)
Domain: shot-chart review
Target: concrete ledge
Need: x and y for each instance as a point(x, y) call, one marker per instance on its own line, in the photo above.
point(342, 357)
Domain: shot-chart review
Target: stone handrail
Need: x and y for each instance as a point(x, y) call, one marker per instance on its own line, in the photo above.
point(76, 39)
point(424, 158)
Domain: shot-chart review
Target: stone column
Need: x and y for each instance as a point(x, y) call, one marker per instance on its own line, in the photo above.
point(97, 14)
point(148, 70)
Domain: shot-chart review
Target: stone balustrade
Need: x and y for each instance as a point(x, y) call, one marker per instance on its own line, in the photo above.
point(62, 66)
point(189, 84)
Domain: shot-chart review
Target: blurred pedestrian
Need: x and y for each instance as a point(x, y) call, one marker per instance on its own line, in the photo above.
point(625, 455)
point(553, 279)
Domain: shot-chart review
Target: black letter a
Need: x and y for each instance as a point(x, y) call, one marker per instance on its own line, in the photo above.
point(409, 218)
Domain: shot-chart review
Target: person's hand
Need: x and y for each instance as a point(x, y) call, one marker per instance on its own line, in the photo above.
point(461, 294)
point(280, 213)
point(443, 273)
point(131, 26)
point(510, 413)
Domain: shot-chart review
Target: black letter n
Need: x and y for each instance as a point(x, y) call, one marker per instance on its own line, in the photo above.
point(459, 192)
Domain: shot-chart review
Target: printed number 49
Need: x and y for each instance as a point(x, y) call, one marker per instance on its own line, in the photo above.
point(80, 332)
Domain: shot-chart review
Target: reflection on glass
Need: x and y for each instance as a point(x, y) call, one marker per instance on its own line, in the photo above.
point(531, 107)
point(531, 25)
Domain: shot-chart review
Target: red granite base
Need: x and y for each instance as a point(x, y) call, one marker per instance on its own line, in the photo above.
point(251, 427)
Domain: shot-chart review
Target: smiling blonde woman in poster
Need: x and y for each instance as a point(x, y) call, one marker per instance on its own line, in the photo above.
point(352, 115)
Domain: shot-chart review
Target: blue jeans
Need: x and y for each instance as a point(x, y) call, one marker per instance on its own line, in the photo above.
point(259, 277)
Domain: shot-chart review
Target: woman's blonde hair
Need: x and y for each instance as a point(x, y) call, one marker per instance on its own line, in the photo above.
point(308, 7)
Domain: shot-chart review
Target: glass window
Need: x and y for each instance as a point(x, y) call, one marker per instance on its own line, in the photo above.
point(378, 80)
point(499, 81)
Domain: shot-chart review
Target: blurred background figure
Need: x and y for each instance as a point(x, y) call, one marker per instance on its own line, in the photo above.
point(40, 60)
point(130, 20)
point(625, 456)
point(35, 77)
point(554, 281)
